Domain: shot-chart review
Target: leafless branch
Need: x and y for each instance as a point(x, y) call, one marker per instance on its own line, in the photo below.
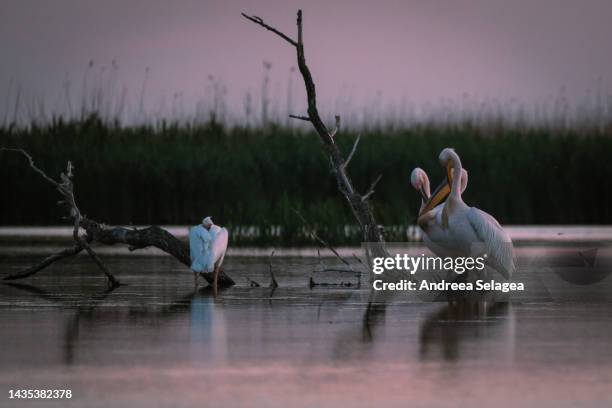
point(65, 188)
point(113, 282)
point(108, 235)
point(313, 234)
point(273, 283)
point(371, 189)
point(334, 270)
point(305, 118)
point(337, 128)
point(359, 205)
point(44, 263)
point(357, 258)
point(31, 163)
point(353, 150)
point(259, 21)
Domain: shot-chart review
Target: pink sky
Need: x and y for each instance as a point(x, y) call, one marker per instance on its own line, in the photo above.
point(418, 50)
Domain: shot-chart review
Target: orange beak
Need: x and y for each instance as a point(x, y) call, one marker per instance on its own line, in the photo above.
point(440, 193)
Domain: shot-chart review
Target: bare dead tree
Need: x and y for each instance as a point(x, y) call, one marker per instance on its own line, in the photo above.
point(359, 203)
point(134, 238)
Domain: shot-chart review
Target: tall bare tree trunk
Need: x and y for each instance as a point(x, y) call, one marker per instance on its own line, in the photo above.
point(359, 203)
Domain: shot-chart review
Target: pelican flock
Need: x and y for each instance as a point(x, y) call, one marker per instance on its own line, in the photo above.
point(452, 228)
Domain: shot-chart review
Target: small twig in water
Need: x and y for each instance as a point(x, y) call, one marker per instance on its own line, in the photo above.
point(273, 283)
point(313, 235)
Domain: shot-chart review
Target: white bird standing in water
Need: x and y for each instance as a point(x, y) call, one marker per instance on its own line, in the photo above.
point(436, 238)
point(465, 226)
point(469, 225)
point(207, 247)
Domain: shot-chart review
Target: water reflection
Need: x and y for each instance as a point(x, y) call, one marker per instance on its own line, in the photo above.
point(251, 343)
point(466, 325)
point(207, 330)
point(206, 324)
point(373, 319)
point(196, 327)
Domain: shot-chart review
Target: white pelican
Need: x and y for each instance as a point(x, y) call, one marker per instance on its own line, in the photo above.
point(436, 238)
point(473, 232)
point(207, 246)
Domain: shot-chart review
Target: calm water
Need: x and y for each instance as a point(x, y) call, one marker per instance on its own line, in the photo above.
point(159, 342)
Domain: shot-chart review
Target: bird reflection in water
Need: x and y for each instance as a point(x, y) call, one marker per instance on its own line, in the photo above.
point(465, 327)
point(206, 328)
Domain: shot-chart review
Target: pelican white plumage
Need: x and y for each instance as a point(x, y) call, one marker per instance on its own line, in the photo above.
point(436, 237)
point(207, 244)
point(470, 231)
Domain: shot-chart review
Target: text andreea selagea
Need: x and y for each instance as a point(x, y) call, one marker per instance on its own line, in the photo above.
point(479, 285)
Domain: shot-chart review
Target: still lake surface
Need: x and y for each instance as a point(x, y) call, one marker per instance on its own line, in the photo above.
point(158, 341)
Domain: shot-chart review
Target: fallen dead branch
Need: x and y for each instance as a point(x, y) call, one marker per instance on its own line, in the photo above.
point(87, 231)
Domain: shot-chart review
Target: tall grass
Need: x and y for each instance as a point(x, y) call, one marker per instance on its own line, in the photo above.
point(100, 92)
point(545, 163)
point(256, 177)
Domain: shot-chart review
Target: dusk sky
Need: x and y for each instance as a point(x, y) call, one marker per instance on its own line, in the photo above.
point(419, 50)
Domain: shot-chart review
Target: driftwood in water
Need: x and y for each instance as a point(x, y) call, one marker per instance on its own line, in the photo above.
point(134, 238)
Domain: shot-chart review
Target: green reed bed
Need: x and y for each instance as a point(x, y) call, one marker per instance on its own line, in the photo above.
point(252, 180)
